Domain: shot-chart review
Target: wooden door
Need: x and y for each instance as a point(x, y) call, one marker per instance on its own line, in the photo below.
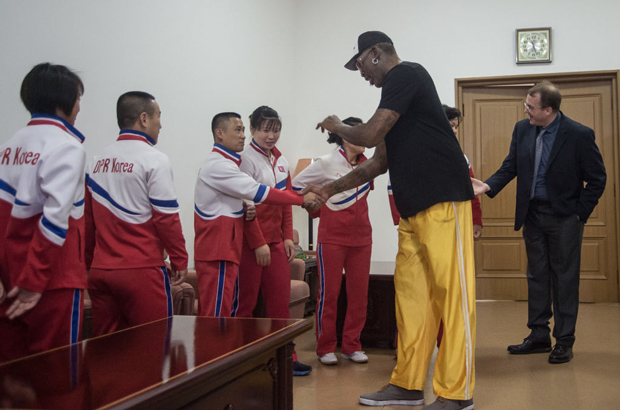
point(490, 113)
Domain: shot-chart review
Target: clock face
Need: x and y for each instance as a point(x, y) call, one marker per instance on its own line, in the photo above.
point(533, 46)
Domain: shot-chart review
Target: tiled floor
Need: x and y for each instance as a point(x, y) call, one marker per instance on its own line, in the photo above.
point(503, 381)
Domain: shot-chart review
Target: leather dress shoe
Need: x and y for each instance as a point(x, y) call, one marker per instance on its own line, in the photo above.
point(561, 354)
point(530, 346)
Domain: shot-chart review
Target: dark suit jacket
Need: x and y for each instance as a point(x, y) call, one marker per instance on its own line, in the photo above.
point(574, 159)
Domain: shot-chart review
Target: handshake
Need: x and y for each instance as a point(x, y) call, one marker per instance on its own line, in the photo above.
point(314, 197)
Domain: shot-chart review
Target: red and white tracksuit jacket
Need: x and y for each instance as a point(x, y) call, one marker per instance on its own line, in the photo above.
point(219, 225)
point(276, 224)
point(42, 233)
point(132, 215)
point(344, 242)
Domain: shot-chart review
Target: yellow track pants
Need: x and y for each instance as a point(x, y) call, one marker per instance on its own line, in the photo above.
point(435, 280)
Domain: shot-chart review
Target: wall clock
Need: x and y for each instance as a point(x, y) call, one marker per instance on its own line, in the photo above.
point(533, 45)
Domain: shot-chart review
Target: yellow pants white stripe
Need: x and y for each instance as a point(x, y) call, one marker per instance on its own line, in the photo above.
point(434, 281)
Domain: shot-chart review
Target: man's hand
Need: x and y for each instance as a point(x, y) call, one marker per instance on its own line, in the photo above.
point(477, 232)
point(177, 277)
point(24, 301)
point(479, 187)
point(263, 255)
point(329, 124)
point(249, 210)
point(289, 248)
point(312, 202)
point(2, 293)
point(320, 191)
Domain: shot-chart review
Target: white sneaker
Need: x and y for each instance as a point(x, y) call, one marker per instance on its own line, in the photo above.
point(329, 358)
point(357, 357)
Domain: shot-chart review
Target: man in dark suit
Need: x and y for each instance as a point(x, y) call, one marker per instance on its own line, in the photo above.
point(552, 157)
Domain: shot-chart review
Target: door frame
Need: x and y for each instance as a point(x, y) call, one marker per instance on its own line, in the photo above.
point(558, 78)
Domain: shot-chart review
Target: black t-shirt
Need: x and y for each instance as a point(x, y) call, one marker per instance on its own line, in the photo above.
point(426, 163)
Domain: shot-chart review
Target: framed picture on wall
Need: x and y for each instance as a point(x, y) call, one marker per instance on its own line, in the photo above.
point(533, 45)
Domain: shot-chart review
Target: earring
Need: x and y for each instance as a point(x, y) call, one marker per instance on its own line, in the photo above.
point(375, 61)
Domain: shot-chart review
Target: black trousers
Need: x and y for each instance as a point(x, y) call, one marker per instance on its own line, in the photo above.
point(553, 246)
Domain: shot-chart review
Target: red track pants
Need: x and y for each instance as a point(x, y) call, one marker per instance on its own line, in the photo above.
point(55, 321)
point(216, 286)
point(332, 259)
point(125, 298)
point(273, 280)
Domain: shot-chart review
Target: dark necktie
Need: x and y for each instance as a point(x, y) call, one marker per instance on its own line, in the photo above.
point(539, 148)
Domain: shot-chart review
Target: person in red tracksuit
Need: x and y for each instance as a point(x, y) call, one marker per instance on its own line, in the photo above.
point(344, 243)
point(42, 271)
point(132, 215)
point(219, 223)
point(454, 117)
point(267, 251)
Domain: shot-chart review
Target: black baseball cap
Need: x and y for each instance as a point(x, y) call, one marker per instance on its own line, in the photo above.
point(364, 41)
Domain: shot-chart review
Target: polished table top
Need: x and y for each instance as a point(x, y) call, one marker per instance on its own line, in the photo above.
point(108, 370)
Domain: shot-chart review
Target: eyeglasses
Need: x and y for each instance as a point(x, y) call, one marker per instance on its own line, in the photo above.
point(529, 108)
point(360, 60)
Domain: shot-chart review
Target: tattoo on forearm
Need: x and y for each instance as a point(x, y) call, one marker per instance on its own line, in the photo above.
point(362, 174)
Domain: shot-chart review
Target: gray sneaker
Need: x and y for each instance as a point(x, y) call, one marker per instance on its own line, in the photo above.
point(447, 404)
point(391, 394)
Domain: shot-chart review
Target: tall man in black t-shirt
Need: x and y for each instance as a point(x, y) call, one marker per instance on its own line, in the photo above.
point(434, 276)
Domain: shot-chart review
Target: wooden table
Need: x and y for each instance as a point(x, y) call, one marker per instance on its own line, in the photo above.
point(179, 362)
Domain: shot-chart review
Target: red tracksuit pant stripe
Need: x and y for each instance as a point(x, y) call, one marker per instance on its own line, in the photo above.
point(168, 290)
point(355, 261)
point(235, 304)
point(76, 313)
point(221, 280)
point(216, 285)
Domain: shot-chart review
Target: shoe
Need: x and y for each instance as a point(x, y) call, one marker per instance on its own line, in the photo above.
point(357, 357)
point(329, 359)
point(561, 354)
point(447, 404)
point(391, 394)
point(529, 346)
point(300, 369)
